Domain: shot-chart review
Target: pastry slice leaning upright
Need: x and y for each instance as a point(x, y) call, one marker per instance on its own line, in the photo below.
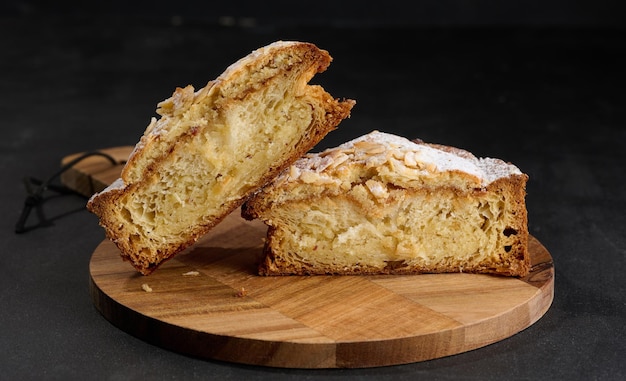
point(382, 204)
point(210, 149)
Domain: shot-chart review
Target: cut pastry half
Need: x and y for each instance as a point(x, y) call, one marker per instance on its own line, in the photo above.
point(212, 148)
point(382, 204)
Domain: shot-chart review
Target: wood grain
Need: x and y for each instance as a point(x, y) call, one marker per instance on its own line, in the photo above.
point(94, 173)
point(209, 302)
point(228, 312)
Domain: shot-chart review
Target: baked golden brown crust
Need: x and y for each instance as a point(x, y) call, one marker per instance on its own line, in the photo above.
point(211, 148)
point(381, 204)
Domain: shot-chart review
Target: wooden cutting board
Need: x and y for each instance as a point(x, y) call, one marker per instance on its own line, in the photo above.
point(208, 302)
point(94, 173)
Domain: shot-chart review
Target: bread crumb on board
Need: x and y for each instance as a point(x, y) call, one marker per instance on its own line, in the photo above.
point(242, 292)
point(191, 273)
point(146, 288)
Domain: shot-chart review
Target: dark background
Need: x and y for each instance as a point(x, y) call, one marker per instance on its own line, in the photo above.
point(351, 13)
point(537, 83)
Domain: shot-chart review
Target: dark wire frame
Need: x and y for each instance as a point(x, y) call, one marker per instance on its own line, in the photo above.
point(35, 189)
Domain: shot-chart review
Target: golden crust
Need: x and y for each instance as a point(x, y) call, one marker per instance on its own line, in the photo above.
point(343, 211)
point(212, 148)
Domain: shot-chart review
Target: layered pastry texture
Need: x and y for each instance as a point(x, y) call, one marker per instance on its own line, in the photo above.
point(211, 148)
point(382, 204)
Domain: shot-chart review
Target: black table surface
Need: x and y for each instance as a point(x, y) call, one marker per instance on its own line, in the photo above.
point(549, 99)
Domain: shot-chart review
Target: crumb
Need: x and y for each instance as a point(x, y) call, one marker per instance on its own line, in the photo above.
point(146, 288)
point(242, 292)
point(191, 273)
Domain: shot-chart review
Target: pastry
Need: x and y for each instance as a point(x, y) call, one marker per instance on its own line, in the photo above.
point(212, 148)
point(383, 204)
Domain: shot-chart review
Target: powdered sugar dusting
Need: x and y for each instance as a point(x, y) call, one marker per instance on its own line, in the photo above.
point(117, 184)
point(443, 161)
point(408, 159)
point(494, 169)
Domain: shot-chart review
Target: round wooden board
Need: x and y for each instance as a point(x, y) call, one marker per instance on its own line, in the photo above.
point(208, 302)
